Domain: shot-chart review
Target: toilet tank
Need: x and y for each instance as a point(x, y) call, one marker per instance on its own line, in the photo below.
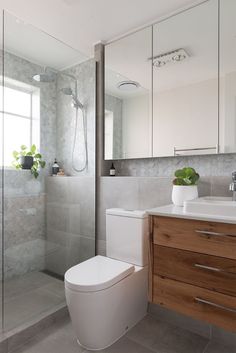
point(127, 235)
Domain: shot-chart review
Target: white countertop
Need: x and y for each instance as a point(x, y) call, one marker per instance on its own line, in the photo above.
point(178, 212)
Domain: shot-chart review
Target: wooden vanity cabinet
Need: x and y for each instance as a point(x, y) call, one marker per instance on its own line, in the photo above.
point(194, 268)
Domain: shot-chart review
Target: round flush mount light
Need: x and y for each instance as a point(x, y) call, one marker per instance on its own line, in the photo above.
point(128, 85)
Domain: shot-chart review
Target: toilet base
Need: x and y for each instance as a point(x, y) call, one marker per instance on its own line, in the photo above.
point(110, 344)
point(100, 318)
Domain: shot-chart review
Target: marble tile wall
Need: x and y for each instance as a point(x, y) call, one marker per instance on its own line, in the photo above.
point(208, 165)
point(66, 117)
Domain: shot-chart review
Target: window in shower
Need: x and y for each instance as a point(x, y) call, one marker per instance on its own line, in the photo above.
point(21, 117)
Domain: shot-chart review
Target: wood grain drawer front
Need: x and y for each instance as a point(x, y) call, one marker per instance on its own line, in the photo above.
point(200, 236)
point(207, 271)
point(216, 308)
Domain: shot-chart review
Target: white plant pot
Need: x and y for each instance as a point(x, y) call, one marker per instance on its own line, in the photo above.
point(181, 193)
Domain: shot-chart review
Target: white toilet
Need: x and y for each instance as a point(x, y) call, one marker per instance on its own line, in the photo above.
point(106, 296)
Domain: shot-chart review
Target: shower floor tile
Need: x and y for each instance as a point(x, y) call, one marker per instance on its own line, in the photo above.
point(28, 296)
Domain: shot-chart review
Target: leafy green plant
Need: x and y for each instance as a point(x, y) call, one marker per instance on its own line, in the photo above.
point(32, 152)
point(186, 176)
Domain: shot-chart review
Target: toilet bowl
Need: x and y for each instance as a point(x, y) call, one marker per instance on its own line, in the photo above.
point(106, 296)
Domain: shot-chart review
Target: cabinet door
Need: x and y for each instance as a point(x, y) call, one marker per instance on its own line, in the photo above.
point(128, 93)
point(200, 303)
point(227, 76)
point(211, 272)
point(185, 82)
point(211, 238)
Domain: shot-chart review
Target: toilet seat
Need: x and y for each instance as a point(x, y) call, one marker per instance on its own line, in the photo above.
point(97, 273)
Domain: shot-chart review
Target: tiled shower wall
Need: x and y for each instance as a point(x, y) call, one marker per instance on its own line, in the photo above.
point(66, 116)
point(24, 197)
point(70, 222)
point(29, 244)
point(71, 200)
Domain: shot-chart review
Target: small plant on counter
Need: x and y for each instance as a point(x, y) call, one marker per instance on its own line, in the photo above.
point(186, 176)
point(28, 159)
point(185, 186)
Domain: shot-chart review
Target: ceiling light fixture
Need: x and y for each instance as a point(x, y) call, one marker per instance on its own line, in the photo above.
point(159, 63)
point(128, 85)
point(173, 56)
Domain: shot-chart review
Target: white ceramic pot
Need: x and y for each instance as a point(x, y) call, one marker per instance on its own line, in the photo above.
point(181, 193)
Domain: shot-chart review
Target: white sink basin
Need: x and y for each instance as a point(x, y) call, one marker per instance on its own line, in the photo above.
point(210, 205)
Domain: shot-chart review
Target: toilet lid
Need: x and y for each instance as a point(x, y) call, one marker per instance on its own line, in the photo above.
point(96, 274)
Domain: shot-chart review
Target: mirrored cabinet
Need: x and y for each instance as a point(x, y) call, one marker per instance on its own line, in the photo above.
point(128, 97)
point(227, 78)
point(185, 83)
point(170, 89)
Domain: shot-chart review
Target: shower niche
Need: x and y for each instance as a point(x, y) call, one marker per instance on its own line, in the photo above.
point(48, 223)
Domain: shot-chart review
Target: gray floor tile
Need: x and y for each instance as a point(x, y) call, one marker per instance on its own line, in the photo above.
point(26, 307)
point(224, 337)
point(163, 337)
point(186, 322)
point(148, 336)
point(215, 347)
point(30, 295)
point(3, 347)
point(21, 285)
point(56, 288)
point(125, 345)
point(59, 339)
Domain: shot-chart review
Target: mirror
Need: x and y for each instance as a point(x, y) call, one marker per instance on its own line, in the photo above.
point(185, 83)
point(190, 107)
point(128, 93)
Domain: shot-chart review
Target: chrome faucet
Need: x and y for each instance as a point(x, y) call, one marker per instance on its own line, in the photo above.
point(232, 186)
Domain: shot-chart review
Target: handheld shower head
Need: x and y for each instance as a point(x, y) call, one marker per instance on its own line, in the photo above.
point(75, 102)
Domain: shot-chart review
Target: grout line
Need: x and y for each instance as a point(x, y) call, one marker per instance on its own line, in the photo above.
point(206, 347)
point(209, 342)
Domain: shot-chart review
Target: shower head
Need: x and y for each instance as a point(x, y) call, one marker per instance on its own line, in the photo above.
point(45, 77)
point(75, 102)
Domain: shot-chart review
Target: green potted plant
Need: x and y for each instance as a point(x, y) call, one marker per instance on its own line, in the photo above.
point(28, 159)
point(185, 185)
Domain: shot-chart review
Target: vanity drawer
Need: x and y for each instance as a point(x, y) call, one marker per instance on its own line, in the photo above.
point(216, 308)
point(207, 271)
point(200, 236)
